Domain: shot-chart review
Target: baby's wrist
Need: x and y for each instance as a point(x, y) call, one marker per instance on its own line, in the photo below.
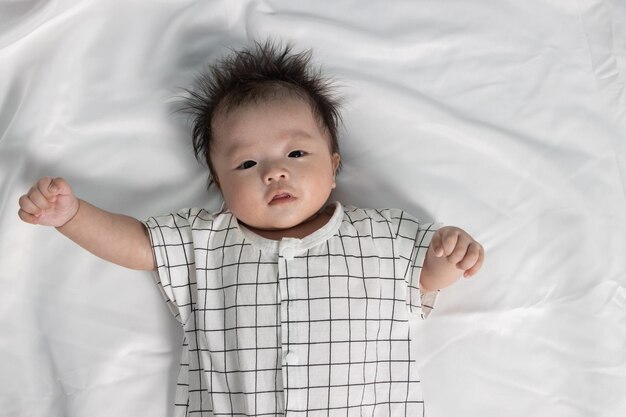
point(72, 217)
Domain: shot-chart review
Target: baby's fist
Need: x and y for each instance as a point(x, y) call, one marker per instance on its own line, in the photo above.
point(50, 202)
point(459, 248)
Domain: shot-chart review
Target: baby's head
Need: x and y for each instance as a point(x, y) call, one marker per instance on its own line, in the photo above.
point(266, 124)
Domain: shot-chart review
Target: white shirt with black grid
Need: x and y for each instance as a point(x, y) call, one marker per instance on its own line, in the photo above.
point(312, 326)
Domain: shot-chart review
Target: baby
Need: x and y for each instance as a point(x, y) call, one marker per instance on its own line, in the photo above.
point(289, 303)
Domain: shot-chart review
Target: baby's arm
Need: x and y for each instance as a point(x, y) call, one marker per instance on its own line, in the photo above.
point(116, 238)
point(452, 251)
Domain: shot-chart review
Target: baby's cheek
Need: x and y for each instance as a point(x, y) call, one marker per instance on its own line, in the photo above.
point(245, 205)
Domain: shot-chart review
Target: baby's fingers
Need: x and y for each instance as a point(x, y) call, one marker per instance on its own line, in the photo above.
point(477, 264)
point(59, 187)
point(48, 188)
point(27, 217)
point(449, 240)
point(28, 206)
point(38, 199)
point(444, 241)
point(435, 244)
point(469, 257)
point(438, 245)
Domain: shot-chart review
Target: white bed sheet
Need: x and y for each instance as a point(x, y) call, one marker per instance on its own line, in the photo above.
point(506, 118)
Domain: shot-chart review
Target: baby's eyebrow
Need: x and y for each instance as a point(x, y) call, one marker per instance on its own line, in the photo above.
point(235, 148)
point(298, 133)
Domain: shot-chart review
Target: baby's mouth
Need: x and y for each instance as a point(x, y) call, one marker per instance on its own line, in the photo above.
point(281, 198)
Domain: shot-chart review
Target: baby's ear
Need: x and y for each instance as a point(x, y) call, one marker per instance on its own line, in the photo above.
point(336, 161)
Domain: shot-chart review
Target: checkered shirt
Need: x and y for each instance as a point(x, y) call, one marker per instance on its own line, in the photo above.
point(304, 327)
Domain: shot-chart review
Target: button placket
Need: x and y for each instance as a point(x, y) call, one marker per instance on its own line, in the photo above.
point(292, 373)
point(286, 253)
point(291, 358)
point(287, 248)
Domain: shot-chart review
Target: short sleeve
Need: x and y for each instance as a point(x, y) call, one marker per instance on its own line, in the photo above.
point(172, 245)
point(416, 299)
point(415, 238)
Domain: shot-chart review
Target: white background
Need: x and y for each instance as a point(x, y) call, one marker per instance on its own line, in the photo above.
point(506, 118)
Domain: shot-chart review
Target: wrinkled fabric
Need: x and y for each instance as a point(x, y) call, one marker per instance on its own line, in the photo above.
point(505, 118)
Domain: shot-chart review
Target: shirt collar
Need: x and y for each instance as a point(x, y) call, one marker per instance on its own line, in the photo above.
point(296, 245)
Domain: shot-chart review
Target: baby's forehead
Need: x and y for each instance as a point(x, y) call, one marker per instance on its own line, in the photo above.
point(292, 114)
point(255, 124)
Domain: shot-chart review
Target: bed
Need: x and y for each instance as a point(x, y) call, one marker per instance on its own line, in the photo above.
point(506, 118)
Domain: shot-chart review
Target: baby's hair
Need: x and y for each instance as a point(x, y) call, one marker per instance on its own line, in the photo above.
point(260, 73)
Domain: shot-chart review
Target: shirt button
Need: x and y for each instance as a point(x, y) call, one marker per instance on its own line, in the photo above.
point(291, 358)
point(288, 253)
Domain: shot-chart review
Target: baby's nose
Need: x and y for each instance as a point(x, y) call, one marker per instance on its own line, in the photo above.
point(275, 173)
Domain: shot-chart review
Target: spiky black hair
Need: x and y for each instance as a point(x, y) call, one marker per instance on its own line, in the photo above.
point(251, 75)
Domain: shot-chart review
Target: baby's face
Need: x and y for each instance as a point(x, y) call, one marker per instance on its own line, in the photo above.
point(273, 163)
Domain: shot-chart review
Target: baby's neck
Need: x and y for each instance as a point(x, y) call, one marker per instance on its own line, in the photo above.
point(300, 231)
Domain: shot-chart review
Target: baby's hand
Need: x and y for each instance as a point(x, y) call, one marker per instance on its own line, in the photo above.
point(459, 249)
point(50, 202)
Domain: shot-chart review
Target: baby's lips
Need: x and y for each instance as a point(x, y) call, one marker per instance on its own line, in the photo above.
point(280, 196)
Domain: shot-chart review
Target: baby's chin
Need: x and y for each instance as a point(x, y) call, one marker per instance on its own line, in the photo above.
point(284, 224)
point(273, 221)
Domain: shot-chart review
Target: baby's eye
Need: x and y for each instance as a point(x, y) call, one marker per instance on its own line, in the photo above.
point(247, 165)
point(296, 154)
